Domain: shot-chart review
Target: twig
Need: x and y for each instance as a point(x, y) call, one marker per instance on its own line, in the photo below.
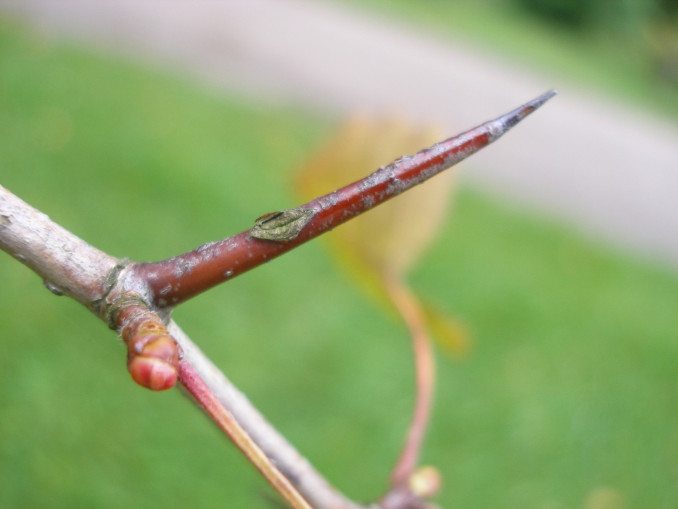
point(70, 266)
point(67, 264)
point(424, 373)
point(313, 486)
point(230, 426)
point(97, 280)
point(153, 360)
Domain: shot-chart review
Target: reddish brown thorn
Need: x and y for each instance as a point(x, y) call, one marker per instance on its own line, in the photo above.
point(152, 354)
point(177, 279)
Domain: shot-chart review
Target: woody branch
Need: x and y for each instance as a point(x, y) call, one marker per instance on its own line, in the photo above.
point(70, 266)
point(137, 298)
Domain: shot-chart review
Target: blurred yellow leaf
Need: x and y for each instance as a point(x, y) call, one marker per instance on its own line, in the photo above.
point(388, 240)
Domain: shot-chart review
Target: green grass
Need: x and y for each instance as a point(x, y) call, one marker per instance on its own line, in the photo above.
point(571, 386)
point(613, 65)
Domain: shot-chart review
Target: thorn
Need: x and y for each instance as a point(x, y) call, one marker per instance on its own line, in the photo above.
point(247, 250)
point(503, 124)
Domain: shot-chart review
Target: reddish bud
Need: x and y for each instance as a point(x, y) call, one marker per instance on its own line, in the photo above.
point(152, 373)
point(152, 354)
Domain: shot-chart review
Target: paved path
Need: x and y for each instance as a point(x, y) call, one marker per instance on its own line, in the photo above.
point(609, 170)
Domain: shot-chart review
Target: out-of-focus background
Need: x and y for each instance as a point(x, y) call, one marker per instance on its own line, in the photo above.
point(149, 127)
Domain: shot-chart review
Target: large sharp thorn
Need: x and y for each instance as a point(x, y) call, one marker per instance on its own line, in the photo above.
point(179, 278)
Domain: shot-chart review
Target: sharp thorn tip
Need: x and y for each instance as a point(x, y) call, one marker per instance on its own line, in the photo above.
point(510, 119)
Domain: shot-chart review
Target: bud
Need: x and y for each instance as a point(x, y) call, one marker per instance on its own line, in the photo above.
point(425, 482)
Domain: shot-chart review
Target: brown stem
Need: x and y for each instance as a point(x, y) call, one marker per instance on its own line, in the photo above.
point(413, 316)
point(179, 278)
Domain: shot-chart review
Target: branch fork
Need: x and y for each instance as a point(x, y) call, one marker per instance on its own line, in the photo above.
point(136, 299)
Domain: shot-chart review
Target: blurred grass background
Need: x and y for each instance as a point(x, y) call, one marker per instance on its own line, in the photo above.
point(569, 397)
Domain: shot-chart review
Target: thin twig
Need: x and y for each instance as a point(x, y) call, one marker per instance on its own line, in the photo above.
point(413, 317)
point(67, 264)
point(311, 484)
point(72, 267)
point(93, 278)
point(230, 426)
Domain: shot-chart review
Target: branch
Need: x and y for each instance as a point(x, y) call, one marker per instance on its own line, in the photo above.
point(135, 297)
point(177, 279)
point(66, 263)
point(229, 425)
point(156, 361)
point(103, 284)
point(312, 485)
